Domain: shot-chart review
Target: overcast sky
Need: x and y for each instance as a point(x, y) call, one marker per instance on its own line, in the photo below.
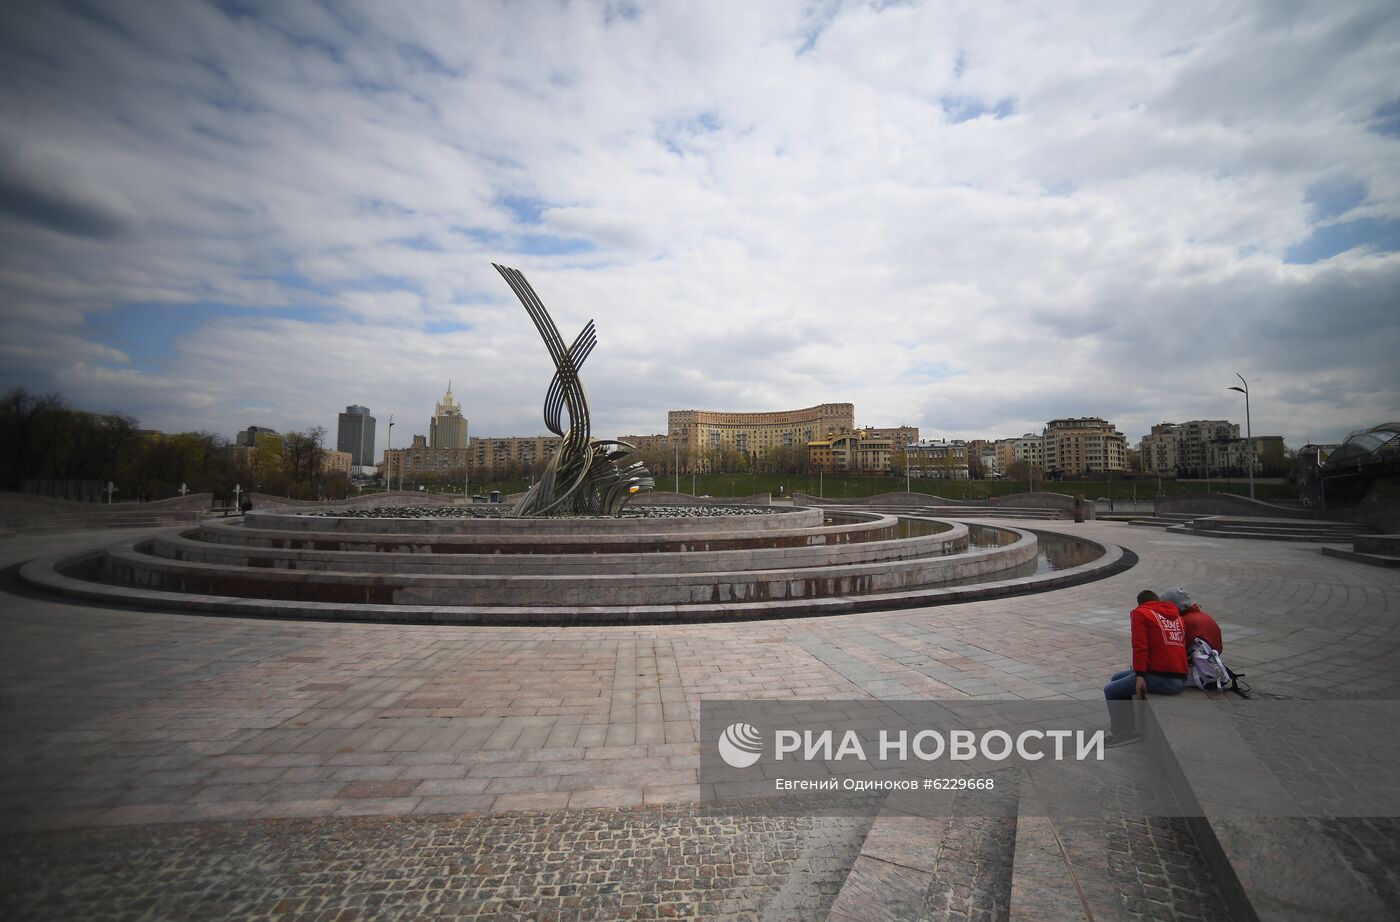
point(971, 218)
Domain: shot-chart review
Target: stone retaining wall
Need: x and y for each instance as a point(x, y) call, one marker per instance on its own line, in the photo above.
point(127, 565)
point(1058, 502)
point(781, 517)
point(799, 531)
point(30, 504)
point(423, 560)
point(1226, 504)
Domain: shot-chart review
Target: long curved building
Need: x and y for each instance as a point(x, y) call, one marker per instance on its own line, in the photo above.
point(698, 431)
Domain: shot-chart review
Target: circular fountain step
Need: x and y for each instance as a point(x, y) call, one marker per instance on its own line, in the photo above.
point(477, 571)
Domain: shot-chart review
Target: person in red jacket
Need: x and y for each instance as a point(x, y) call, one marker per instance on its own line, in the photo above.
point(1159, 664)
point(1198, 623)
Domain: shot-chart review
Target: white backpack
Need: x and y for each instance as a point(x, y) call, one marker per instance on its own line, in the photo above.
point(1207, 671)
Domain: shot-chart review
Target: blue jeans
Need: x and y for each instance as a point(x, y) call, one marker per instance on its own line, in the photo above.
point(1123, 686)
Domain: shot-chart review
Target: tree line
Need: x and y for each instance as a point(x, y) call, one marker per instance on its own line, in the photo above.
point(46, 444)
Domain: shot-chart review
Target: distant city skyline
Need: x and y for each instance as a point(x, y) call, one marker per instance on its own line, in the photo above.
point(969, 220)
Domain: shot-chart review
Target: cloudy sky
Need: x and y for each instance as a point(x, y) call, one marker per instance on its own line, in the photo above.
point(968, 217)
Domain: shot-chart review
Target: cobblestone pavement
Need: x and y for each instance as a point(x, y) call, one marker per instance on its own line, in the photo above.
point(641, 863)
point(120, 718)
point(972, 873)
point(1159, 872)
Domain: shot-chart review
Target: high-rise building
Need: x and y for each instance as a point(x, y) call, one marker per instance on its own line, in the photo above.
point(354, 434)
point(448, 427)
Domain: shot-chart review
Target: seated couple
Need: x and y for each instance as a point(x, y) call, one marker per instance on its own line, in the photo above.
point(1163, 628)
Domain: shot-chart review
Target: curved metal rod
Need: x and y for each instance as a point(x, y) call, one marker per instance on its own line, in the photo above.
point(596, 483)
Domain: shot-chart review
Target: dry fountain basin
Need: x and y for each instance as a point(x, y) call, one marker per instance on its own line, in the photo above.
point(655, 564)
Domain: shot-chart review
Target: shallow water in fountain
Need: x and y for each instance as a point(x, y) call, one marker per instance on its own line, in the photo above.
point(1054, 552)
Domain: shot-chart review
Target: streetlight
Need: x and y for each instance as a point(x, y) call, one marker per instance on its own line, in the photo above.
point(389, 458)
point(1248, 429)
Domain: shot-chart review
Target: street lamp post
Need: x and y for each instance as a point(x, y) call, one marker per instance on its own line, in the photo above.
point(1248, 430)
point(389, 458)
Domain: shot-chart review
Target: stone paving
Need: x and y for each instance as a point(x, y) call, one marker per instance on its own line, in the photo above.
point(120, 721)
point(679, 861)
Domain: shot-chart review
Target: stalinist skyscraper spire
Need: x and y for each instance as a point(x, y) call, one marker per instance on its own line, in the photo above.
point(448, 427)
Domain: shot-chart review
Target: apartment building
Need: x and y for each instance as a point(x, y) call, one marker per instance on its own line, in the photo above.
point(336, 462)
point(851, 452)
point(510, 455)
point(1194, 438)
point(899, 436)
point(938, 460)
point(698, 432)
point(420, 461)
point(1083, 445)
point(1159, 451)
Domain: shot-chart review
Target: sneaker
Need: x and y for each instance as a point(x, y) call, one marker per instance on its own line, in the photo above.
point(1122, 739)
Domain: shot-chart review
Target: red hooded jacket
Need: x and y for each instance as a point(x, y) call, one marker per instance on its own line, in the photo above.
point(1200, 624)
point(1159, 640)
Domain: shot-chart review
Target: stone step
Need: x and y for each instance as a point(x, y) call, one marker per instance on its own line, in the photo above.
point(1269, 529)
point(1277, 525)
point(1256, 535)
point(1375, 560)
point(930, 868)
point(1267, 867)
point(132, 565)
point(1388, 545)
point(498, 558)
point(1155, 521)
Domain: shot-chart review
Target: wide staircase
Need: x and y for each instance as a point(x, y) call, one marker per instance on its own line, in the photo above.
point(1155, 520)
point(989, 511)
point(1269, 529)
point(1210, 862)
point(1376, 550)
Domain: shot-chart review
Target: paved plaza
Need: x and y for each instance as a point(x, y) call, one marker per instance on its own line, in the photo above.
point(161, 765)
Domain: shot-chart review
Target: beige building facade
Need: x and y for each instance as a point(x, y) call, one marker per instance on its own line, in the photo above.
point(698, 432)
point(899, 436)
point(850, 452)
point(1157, 452)
point(514, 455)
point(1084, 445)
point(1029, 447)
point(448, 427)
point(420, 461)
point(336, 462)
point(938, 460)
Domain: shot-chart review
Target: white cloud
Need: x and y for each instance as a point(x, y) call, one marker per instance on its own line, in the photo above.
point(761, 205)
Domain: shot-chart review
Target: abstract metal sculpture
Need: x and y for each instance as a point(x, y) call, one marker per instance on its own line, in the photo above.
point(584, 477)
